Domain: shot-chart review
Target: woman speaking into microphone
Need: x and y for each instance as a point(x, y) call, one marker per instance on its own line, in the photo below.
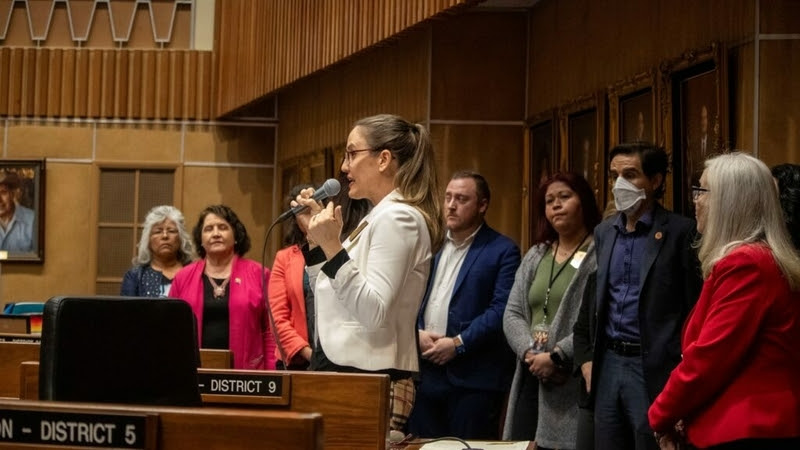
point(368, 289)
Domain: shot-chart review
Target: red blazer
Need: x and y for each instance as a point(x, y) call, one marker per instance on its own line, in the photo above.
point(250, 338)
point(740, 373)
point(287, 301)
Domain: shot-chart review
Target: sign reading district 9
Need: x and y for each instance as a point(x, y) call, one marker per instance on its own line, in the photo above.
point(241, 384)
point(72, 429)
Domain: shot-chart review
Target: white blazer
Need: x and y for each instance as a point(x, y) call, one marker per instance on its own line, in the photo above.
point(366, 316)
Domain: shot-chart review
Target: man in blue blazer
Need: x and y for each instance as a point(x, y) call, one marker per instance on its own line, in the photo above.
point(627, 336)
point(466, 365)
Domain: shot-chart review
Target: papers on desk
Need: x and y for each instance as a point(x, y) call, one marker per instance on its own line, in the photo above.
point(485, 445)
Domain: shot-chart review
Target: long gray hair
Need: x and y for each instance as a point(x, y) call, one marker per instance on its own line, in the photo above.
point(743, 207)
point(158, 214)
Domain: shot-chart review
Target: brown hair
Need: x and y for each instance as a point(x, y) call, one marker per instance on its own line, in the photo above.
point(416, 177)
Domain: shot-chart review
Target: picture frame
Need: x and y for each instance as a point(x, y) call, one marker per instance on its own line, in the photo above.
point(22, 213)
point(541, 142)
point(633, 113)
point(633, 110)
point(583, 141)
point(694, 94)
point(543, 148)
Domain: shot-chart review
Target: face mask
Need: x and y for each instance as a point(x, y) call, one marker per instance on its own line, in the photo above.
point(627, 197)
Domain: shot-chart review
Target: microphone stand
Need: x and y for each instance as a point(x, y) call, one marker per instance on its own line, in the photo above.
point(265, 294)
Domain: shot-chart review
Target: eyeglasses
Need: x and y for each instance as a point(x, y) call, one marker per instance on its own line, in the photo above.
point(697, 191)
point(349, 154)
point(160, 231)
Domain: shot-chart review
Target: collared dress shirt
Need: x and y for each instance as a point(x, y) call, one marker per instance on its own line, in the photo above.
point(453, 254)
point(624, 278)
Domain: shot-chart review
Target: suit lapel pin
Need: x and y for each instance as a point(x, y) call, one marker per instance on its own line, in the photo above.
point(659, 235)
point(238, 280)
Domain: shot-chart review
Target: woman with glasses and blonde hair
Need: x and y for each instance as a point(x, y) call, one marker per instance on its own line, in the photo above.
point(737, 384)
point(165, 247)
point(369, 288)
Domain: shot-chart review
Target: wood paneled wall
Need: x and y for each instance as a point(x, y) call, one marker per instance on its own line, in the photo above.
point(452, 74)
point(213, 162)
point(105, 83)
point(317, 112)
point(580, 46)
point(266, 45)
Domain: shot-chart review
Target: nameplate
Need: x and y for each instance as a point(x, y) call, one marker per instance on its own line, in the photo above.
point(10, 323)
point(220, 386)
point(25, 338)
point(70, 429)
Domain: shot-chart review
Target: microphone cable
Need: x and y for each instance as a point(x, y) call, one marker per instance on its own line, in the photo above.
point(265, 294)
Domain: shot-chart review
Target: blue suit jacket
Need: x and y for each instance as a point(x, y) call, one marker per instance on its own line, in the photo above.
point(476, 312)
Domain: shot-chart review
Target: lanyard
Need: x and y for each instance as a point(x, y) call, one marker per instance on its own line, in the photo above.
point(553, 278)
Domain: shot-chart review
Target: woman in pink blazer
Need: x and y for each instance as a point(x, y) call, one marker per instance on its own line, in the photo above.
point(737, 385)
point(225, 291)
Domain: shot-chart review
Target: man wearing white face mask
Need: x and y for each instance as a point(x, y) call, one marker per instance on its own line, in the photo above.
point(627, 336)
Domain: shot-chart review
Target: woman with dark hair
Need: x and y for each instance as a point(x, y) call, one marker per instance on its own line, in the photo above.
point(788, 178)
point(369, 287)
point(225, 291)
point(542, 307)
point(290, 295)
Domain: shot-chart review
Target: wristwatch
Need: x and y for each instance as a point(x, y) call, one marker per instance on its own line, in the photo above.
point(459, 345)
point(556, 358)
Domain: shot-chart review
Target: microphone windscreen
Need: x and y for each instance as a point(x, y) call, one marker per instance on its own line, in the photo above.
point(331, 187)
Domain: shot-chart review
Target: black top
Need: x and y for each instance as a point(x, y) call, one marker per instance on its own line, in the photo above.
point(215, 316)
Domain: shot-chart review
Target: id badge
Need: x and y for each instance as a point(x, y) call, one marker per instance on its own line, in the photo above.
point(540, 335)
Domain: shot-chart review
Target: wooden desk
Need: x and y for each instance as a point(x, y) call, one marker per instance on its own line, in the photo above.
point(354, 407)
point(200, 428)
point(11, 355)
point(417, 444)
point(14, 352)
point(216, 359)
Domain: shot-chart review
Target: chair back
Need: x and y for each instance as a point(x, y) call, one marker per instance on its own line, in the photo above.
point(119, 350)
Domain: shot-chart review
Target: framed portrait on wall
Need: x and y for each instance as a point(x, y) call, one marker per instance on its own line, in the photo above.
point(541, 160)
point(694, 90)
point(632, 110)
point(633, 113)
point(543, 138)
point(22, 188)
point(583, 141)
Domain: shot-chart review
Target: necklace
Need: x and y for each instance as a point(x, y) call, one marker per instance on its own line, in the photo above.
point(219, 289)
point(552, 278)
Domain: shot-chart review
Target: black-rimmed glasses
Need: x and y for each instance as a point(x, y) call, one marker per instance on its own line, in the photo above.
point(697, 191)
point(349, 154)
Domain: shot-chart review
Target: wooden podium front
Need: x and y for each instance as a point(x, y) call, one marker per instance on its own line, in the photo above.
point(354, 407)
point(37, 424)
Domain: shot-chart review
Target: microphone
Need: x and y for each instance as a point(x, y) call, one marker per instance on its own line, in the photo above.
point(330, 188)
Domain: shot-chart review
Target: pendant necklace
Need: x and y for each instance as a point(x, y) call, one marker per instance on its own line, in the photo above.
point(219, 289)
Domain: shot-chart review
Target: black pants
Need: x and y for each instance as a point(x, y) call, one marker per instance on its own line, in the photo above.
point(526, 410)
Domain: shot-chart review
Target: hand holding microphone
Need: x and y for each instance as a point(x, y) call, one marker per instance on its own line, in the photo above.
point(323, 225)
point(310, 198)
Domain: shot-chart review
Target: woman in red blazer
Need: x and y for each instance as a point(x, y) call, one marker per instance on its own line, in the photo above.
point(738, 385)
point(287, 298)
point(292, 311)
